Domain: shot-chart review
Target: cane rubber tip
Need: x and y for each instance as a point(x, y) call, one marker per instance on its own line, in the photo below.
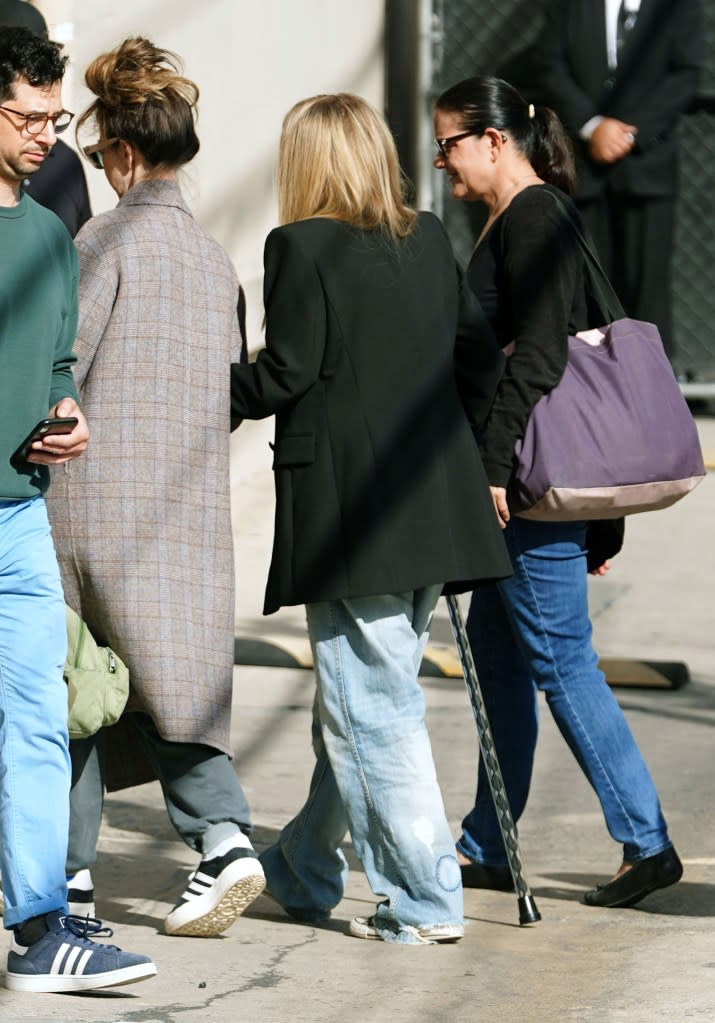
point(528, 913)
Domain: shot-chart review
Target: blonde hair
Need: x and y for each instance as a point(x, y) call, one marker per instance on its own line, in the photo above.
point(338, 159)
point(143, 99)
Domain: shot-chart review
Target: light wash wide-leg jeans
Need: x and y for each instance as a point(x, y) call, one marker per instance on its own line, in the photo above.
point(374, 773)
point(34, 758)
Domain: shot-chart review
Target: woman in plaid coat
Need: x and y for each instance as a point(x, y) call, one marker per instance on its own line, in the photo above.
point(143, 528)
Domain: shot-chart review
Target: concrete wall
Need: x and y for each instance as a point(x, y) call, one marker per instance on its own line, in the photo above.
point(252, 59)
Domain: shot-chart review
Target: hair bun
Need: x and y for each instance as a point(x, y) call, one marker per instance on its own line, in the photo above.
point(137, 71)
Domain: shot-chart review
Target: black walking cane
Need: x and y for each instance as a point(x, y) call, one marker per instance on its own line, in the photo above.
point(528, 913)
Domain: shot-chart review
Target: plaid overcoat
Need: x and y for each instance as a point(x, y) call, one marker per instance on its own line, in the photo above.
point(142, 521)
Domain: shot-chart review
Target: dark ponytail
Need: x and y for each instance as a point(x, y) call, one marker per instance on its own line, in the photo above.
point(551, 153)
point(486, 102)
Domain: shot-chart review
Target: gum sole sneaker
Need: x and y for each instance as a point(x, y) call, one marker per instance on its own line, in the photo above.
point(65, 959)
point(364, 927)
point(217, 893)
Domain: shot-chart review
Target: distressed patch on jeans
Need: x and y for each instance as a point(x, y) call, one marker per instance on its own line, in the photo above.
point(449, 876)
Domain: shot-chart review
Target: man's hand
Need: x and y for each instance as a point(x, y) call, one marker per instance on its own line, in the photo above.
point(611, 140)
point(54, 449)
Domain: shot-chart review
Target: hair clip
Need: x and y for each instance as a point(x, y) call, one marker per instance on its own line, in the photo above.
point(532, 111)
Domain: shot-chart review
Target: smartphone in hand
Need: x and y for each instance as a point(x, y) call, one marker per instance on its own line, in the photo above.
point(45, 428)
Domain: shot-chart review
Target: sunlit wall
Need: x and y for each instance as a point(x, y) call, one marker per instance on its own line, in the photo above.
point(252, 59)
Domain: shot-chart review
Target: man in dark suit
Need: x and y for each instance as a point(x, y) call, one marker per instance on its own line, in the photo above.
point(619, 73)
point(59, 184)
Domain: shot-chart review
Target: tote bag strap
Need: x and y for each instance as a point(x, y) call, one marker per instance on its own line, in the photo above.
point(599, 286)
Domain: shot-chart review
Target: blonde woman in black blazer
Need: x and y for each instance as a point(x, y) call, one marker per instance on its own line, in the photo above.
point(381, 503)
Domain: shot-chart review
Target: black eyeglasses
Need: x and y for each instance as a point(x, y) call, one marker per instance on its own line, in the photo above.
point(444, 145)
point(95, 153)
point(35, 123)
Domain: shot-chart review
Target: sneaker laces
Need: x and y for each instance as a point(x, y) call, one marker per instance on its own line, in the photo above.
point(87, 928)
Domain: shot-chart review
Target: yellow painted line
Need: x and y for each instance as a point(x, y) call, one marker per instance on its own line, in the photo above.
point(271, 651)
point(280, 651)
point(444, 658)
point(442, 661)
point(648, 674)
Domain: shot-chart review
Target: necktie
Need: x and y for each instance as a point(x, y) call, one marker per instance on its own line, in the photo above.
point(624, 26)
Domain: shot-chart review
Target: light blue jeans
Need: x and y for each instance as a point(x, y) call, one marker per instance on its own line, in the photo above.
point(374, 773)
point(531, 632)
point(34, 758)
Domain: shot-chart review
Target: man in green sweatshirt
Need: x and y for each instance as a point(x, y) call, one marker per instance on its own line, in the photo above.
point(50, 951)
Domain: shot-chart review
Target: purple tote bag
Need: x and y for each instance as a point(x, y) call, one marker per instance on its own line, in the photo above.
point(615, 436)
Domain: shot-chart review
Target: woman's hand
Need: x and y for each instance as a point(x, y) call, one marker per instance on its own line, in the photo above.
point(500, 505)
point(602, 569)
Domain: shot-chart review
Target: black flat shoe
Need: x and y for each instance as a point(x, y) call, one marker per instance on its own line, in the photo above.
point(644, 877)
point(481, 875)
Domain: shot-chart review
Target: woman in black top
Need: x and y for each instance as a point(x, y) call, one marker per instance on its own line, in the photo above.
point(380, 500)
point(527, 270)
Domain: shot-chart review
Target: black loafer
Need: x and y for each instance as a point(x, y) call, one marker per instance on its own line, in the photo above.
point(644, 877)
point(481, 875)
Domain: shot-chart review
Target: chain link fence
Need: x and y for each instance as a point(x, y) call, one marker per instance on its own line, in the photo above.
point(499, 37)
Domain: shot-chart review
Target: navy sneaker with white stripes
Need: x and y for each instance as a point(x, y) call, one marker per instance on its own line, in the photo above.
point(226, 881)
point(66, 959)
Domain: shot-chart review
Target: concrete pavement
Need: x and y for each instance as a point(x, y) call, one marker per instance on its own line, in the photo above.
point(578, 965)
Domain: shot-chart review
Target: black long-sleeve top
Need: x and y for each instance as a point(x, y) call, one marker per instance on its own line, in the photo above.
point(528, 275)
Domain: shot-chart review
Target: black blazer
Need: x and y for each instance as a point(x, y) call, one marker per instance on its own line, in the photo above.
point(655, 81)
point(379, 484)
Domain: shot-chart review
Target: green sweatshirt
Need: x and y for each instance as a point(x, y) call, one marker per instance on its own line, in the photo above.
point(38, 322)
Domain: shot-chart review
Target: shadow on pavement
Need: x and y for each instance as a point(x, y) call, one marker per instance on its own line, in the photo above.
point(687, 899)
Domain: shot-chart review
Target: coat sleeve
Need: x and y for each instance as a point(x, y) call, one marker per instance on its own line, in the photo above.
point(478, 359)
point(239, 343)
point(675, 88)
point(98, 285)
point(570, 101)
point(295, 333)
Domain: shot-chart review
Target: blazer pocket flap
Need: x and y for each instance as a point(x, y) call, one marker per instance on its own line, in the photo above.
point(298, 449)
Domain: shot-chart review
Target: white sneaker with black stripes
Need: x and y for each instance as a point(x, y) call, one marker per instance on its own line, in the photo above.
point(80, 894)
point(66, 959)
point(226, 881)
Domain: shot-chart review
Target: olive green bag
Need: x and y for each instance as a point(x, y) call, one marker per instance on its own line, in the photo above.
point(97, 681)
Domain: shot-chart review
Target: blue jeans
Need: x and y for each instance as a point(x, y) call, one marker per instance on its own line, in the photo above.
point(374, 773)
point(34, 759)
point(531, 632)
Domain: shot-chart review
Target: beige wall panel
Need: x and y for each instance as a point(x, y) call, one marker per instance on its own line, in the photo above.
point(252, 59)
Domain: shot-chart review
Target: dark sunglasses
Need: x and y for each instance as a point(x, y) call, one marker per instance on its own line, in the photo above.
point(444, 145)
point(95, 153)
